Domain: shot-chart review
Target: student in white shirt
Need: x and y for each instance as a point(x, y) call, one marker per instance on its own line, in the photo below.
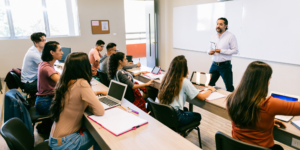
point(223, 45)
point(175, 87)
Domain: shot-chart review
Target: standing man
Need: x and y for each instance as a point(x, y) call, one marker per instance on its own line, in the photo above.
point(223, 45)
point(31, 62)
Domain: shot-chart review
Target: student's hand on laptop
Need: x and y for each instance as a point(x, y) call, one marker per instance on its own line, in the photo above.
point(278, 123)
point(150, 82)
point(138, 64)
point(212, 88)
point(143, 72)
point(100, 92)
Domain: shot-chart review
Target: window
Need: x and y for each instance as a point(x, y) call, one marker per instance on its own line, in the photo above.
point(4, 28)
point(21, 18)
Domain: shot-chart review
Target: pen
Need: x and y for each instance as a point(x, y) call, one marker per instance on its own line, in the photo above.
point(123, 108)
point(133, 111)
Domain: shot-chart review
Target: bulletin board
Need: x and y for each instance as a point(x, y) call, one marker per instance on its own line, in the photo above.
point(100, 27)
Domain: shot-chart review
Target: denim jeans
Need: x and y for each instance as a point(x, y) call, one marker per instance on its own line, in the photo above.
point(43, 103)
point(74, 141)
point(186, 117)
point(225, 71)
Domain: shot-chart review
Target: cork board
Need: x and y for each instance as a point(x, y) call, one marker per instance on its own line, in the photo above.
point(100, 27)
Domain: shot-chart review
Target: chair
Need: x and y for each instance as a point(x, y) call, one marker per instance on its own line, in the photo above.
point(224, 142)
point(17, 136)
point(129, 58)
point(167, 115)
point(36, 117)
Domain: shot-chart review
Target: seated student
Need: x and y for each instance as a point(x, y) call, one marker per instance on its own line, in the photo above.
point(31, 62)
point(175, 87)
point(47, 77)
point(73, 94)
point(115, 71)
point(95, 56)
point(252, 114)
point(111, 49)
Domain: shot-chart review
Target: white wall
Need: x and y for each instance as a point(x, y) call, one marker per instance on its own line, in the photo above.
point(13, 51)
point(285, 77)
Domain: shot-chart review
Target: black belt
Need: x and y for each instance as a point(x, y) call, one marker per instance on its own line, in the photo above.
point(221, 63)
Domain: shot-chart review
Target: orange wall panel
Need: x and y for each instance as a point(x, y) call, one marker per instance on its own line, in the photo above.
point(136, 50)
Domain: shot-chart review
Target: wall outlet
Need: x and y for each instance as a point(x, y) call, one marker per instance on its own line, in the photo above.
point(296, 143)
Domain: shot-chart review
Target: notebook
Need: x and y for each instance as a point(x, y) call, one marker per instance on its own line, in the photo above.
point(115, 95)
point(286, 98)
point(296, 123)
point(200, 80)
point(155, 73)
point(118, 121)
point(215, 95)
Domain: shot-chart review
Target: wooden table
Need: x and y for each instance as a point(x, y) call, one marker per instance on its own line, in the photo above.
point(218, 107)
point(154, 135)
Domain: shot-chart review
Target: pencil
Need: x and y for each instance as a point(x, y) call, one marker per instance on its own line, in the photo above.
point(123, 108)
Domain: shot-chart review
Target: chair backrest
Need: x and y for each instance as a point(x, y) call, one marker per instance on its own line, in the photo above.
point(16, 135)
point(17, 79)
point(129, 58)
point(224, 142)
point(165, 114)
point(1, 87)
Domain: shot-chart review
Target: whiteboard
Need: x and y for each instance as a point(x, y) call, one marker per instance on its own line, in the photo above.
point(265, 29)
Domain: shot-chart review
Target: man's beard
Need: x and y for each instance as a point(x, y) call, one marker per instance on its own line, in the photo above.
point(220, 30)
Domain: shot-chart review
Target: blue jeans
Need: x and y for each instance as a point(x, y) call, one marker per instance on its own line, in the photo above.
point(186, 117)
point(74, 141)
point(43, 103)
point(225, 71)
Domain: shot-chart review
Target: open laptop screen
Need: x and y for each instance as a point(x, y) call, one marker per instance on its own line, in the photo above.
point(286, 98)
point(200, 78)
point(116, 90)
point(66, 51)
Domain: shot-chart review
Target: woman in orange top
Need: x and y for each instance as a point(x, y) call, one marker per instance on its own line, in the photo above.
point(252, 114)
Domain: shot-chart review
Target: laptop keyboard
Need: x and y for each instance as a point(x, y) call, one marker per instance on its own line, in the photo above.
point(199, 87)
point(108, 101)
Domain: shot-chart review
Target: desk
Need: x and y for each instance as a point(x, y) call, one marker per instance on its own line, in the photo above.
point(218, 107)
point(154, 135)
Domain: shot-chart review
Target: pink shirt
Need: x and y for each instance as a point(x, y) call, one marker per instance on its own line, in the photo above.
point(45, 84)
point(93, 56)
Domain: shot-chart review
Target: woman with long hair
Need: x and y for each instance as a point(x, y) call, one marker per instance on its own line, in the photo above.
point(175, 87)
point(115, 71)
point(252, 114)
point(73, 94)
point(47, 77)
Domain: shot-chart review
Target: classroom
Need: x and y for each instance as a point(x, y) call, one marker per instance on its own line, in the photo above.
point(149, 74)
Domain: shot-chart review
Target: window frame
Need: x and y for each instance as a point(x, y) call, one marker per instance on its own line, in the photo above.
point(71, 21)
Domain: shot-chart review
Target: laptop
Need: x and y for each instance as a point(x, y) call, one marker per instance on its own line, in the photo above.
point(66, 51)
point(200, 80)
point(284, 97)
point(115, 95)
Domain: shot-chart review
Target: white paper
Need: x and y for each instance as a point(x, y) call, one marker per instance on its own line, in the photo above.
point(95, 23)
point(104, 25)
point(215, 95)
point(118, 121)
point(154, 76)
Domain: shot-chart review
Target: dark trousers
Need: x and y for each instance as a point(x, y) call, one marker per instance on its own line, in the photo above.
point(224, 70)
point(30, 87)
point(185, 117)
point(276, 147)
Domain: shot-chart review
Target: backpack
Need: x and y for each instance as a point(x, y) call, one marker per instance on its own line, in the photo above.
point(11, 81)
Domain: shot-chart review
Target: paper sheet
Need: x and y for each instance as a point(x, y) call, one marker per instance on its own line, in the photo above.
point(95, 23)
point(104, 25)
point(153, 76)
point(118, 121)
point(215, 95)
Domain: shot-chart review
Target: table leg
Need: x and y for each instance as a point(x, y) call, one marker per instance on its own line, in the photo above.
point(191, 107)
